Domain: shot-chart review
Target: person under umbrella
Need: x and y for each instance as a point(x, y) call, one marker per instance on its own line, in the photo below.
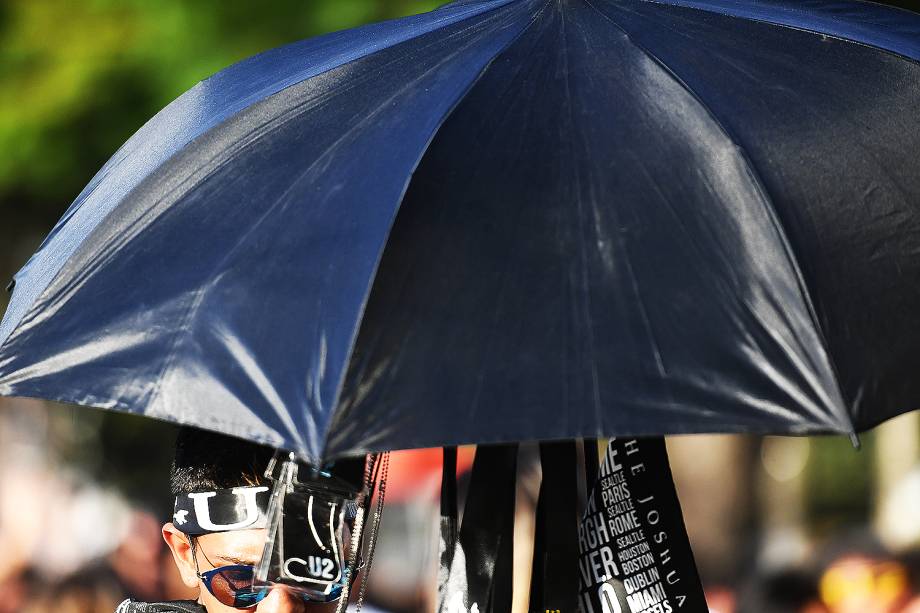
point(220, 526)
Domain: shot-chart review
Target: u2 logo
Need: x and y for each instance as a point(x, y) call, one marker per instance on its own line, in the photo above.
point(317, 567)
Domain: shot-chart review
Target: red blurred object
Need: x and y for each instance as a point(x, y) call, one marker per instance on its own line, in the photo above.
point(417, 472)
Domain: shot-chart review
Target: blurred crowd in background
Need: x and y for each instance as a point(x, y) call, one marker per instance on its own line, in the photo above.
point(777, 524)
point(793, 525)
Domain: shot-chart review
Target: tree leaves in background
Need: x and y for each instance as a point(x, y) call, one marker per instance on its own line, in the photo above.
point(78, 78)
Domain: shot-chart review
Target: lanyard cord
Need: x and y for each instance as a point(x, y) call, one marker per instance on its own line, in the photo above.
point(375, 526)
point(375, 477)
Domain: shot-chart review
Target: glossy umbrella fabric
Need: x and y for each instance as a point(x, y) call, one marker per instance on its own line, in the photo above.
point(506, 220)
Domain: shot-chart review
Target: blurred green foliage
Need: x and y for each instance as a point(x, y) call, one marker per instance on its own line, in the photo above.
point(78, 78)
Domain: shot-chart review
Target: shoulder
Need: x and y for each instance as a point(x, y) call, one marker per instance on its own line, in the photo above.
point(175, 606)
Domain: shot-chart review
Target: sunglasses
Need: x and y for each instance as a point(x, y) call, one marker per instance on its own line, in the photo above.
point(232, 585)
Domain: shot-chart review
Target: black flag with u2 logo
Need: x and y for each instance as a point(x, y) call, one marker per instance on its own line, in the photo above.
point(634, 554)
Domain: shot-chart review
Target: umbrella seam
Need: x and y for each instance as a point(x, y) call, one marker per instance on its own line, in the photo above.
point(772, 214)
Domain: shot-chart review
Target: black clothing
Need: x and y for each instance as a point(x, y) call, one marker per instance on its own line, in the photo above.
point(175, 606)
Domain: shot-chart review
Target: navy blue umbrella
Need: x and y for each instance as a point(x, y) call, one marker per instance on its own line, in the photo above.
point(506, 220)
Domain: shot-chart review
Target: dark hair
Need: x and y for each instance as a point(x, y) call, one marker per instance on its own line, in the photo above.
point(209, 461)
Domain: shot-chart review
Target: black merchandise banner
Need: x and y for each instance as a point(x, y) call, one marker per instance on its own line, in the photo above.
point(449, 519)
point(634, 554)
point(555, 557)
point(476, 570)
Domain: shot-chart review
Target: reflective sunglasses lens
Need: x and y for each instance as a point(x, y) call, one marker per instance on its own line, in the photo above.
point(244, 600)
point(233, 587)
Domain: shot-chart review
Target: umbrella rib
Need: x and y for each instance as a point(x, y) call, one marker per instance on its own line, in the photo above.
point(688, 4)
point(474, 403)
point(587, 303)
point(839, 406)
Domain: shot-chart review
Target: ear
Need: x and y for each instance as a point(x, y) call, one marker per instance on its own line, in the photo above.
point(179, 545)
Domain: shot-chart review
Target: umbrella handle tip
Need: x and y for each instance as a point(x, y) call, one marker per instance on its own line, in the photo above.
point(854, 438)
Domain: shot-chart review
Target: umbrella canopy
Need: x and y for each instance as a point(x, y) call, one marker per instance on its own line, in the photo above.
point(506, 220)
